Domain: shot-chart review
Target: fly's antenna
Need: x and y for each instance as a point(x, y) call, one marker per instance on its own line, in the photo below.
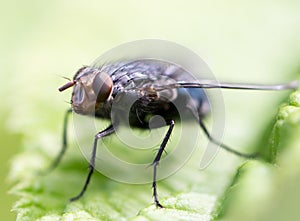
point(67, 85)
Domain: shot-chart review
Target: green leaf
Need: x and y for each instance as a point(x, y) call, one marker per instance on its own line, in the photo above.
point(265, 191)
point(44, 197)
point(190, 194)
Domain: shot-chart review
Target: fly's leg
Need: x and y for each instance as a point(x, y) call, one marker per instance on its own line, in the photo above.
point(225, 147)
point(156, 162)
point(109, 130)
point(64, 142)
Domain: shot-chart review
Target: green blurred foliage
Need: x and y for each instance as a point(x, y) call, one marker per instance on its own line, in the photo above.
point(264, 191)
point(254, 41)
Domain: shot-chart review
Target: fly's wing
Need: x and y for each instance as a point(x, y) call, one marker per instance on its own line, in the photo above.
point(210, 84)
point(134, 75)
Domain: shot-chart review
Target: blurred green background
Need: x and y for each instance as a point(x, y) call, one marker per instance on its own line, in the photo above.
point(40, 41)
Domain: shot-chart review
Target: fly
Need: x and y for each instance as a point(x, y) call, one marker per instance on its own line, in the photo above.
point(155, 85)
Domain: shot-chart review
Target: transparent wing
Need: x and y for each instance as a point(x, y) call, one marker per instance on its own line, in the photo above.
point(208, 84)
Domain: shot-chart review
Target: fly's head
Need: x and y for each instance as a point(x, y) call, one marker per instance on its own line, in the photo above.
point(91, 89)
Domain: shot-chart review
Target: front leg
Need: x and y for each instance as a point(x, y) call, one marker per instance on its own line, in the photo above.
point(109, 130)
point(156, 162)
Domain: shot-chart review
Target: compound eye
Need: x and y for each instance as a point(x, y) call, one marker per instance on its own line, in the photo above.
point(79, 95)
point(102, 86)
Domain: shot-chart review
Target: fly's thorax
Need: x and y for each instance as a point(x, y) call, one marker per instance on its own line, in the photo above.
point(93, 88)
point(155, 92)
